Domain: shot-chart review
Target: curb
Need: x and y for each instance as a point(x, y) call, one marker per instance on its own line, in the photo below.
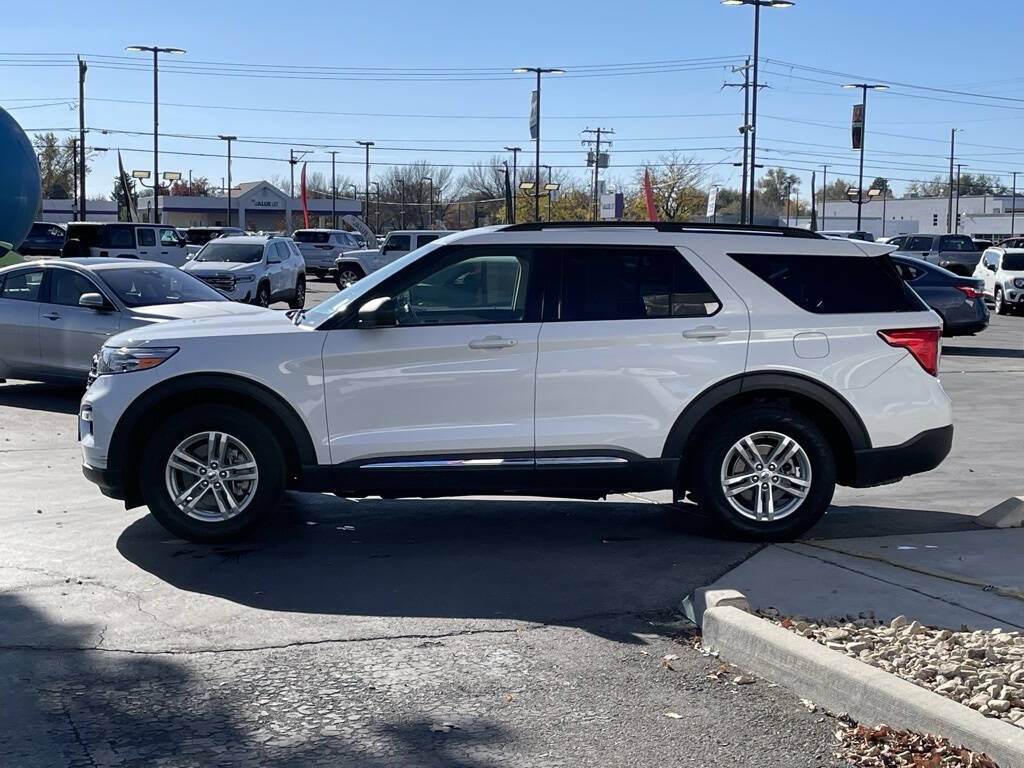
point(843, 684)
point(1006, 514)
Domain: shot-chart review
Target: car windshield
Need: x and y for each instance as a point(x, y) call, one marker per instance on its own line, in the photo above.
point(340, 301)
point(1013, 262)
point(240, 253)
point(142, 287)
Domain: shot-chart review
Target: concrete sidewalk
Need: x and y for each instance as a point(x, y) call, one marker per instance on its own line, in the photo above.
point(971, 577)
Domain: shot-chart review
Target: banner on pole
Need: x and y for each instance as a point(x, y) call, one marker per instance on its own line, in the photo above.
point(712, 202)
point(857, 126)
point(534, 114)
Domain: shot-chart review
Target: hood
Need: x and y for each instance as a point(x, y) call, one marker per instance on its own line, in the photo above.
point(189, 310)
point(361, 253)
point(217, 266)
point(250, 321)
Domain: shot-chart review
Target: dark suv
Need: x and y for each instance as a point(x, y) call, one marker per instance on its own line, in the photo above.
point(44, 239)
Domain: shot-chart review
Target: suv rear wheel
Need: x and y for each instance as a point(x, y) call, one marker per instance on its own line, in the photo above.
point(766, 472)
point(212, 474)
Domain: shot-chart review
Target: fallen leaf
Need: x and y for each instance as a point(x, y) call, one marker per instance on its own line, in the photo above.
point(674, 715)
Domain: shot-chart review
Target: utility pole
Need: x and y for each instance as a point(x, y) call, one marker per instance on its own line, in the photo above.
point(82, 67)
point(956, 220)
point(367, 144)
point(515, 188)
point(596, 144)
point(745, 130)
point(229, 139)
point(334, 193)
point(824, 192)
point(74, 179)
point(952, 151)
point(1013, 205)
point(401, 185)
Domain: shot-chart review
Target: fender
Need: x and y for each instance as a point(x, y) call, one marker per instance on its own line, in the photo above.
point(750, 383)
point(222, 382)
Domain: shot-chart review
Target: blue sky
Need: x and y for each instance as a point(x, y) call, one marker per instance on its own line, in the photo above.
point(803, 122)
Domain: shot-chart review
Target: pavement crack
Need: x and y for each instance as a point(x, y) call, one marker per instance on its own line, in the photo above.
point(78, 736)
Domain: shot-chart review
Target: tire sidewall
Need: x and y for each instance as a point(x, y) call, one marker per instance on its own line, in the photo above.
point(261, 290)
point(717, 443)
point(298, 301)
point(240, 424)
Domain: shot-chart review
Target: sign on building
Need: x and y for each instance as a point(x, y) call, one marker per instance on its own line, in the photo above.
point(612, 206)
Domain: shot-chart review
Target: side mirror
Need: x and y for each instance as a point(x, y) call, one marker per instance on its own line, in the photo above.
point(383, 250)
point(92, 301)
point(378, 313)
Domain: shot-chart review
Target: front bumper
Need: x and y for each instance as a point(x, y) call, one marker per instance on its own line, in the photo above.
point(109, 481)
point(923, 452)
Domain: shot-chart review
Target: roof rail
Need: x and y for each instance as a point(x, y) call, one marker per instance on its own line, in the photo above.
point(667, 226)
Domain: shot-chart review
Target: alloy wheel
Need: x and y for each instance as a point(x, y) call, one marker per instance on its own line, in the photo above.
point(347, 277)
point(211, 476)
point(766, 476)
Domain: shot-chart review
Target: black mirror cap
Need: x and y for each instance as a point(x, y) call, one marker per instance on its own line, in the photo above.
point(378, 313)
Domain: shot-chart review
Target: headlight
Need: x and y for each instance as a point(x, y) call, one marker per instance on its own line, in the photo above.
point(243, 278)
point(127, 359)
point(1019, 282)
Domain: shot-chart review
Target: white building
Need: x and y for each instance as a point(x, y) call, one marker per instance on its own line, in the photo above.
point(63, 211)
point(255, 205)
point(985, 216)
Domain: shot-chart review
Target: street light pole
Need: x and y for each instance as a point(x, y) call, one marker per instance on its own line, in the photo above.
point(536, 168)
point(430, 203)
point(1013, 205)
point(956, 219)
point(863, 131)
point(952, 152)
point(367, 144)
point(157, 50)
point(824, 191)
point(334, 193)
point(515, 185)
point(229, 139)
point(401, 185)
point(753, 109)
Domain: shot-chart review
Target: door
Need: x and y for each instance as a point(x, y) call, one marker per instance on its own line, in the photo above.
point(395, 247)
point(454, 377)
point(147, 248)
point(638, 333)
point(987, 269)
point(171, 251)
point(19, 322)
point(69, 335)
point(277, 268)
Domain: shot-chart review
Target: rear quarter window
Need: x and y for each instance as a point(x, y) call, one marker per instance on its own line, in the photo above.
point(835, 284)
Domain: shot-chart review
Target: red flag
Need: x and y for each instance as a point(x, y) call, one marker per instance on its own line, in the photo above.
point(652, 212)
point(302, 186)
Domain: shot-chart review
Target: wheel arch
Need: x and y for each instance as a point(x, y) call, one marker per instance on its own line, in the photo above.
point(162, 400)
point(827, 408)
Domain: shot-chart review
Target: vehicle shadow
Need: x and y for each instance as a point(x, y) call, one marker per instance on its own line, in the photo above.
point(67, 702)
point(857, 521)
point(954, 351)
point(567, 563)
point(54, 398)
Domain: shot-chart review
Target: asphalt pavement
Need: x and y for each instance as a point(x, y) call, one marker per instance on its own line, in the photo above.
point(465, 632)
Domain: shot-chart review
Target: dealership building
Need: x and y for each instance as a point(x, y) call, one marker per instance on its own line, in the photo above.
point(256, 205)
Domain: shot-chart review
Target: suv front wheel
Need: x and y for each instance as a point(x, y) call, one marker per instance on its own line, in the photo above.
point(212, 474)
point(766, 472)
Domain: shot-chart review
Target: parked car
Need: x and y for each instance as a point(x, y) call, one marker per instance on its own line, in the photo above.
point(197, 237)
point(260, 269)
point(540, 359)
point(848, 234)
point(321, 247)
point(953, 252)
point(980, 245)
point(1001, 271)
point(1011, 242)
point(896, 240)
point(56, 314)
point(43, 239)
point(150, 242)
point(355, 265)
point(958, 300)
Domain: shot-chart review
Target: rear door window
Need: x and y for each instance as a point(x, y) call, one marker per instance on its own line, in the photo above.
point(120, 236)
point(147, 237)
point(828, 285)
point(609, 283)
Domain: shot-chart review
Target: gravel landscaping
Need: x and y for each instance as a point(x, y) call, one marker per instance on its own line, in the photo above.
point(983, 670)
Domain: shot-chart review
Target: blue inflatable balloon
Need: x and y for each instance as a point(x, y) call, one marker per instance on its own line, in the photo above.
point(20, 188)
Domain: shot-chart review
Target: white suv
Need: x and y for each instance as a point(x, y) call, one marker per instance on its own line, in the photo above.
point(355, 265)
point(1002, 269)
point(540, 359)
point(260, 269)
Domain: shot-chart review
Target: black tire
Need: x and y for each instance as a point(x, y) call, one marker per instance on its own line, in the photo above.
point(1000, 302)
point(298, 301)
point(262, 297)
point(240, 425)
point(348, 274)
point(710, 454)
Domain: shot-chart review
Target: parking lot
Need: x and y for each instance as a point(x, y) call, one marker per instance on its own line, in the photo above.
point(442, 632)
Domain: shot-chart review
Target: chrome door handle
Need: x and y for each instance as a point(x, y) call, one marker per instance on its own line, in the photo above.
point(52, 316)
point(492, 342)
point(705, 333)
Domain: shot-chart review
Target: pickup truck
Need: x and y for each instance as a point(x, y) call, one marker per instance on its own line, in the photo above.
point(354, 265)
point(957, 253)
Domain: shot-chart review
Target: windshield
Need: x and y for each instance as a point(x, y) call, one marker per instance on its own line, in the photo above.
point(157, 285)
point(239, 253)
point(340, 301)
point(1013, 262)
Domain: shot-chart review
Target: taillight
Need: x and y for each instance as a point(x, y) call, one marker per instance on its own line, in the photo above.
point(922, 343)
point(969, 291)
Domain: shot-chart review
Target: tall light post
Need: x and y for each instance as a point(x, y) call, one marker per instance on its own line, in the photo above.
point(401, 186)
point(229, 139)
point(367, 144)
point(535, 126)
point(157, 50)
point(753, 98)
point(515, 155)
point(1013, 205)
point(334, 192)
point(430, 204)
point(956, 219)
point(952, 154)
point(864, 88)
point(376, 193)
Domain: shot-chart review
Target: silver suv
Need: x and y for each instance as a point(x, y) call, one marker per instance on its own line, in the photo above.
point(259, 269)
point(320, 248)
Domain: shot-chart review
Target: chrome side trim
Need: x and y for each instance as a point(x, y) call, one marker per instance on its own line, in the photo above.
point(567, 460)
point(435, 463)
